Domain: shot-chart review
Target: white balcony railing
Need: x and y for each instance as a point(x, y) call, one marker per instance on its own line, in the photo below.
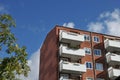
point(68, 67)
point(76, 54)
point(70, 37)
point(113, 73)
point(112, 58)
point(112, 45)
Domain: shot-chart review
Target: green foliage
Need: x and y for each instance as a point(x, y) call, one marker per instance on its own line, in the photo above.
point(16, 63)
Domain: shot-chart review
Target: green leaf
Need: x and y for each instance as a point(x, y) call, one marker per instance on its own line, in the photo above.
point(16, 63)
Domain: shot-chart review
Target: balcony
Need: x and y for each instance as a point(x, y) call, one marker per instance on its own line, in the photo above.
point(74, 68)
point(70, 37)
point(74, 54)
point(113, 59)
point(113, 73)
point(112, 45)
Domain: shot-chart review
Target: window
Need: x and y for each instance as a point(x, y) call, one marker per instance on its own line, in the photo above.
point(64, 76)
point(100, 79)
point(97, 52)
point(64, 59)
point(96, 39)
point(87, 50)
point(99, 66)
point(87, 37)
point(89, 79)
point(89, 65)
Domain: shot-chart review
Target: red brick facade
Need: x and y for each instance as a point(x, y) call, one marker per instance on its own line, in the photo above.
point(49, 57)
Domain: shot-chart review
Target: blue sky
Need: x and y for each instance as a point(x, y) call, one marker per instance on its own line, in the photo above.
point(35, 18)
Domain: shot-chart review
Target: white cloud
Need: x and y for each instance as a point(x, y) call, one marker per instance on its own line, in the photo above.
point(34, 65)
point(33, 62)
point(70, 25)
point(3, 9)
point(96, 27)
point(109, 23)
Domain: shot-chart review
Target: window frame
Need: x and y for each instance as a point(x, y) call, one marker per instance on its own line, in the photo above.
point(64, 76)
point(87, 39)
point(88, 50)
point(98, 50)
point(98, 67)
point(100, 79)
point(89, 78)
point(95, 40)
point(89, 65)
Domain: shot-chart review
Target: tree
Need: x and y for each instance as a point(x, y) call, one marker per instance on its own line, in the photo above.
point(16, 61)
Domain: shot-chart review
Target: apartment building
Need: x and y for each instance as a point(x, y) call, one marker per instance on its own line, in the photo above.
point(73, 54)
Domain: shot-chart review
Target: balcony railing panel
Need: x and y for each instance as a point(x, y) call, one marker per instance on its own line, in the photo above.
point(112, 45)
point(112, 58)
point(113, 73)
point(68, 67)
point(70, 37)
point(74, 54)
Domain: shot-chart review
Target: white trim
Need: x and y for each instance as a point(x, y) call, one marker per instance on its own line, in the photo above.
point(89, 77)
point(87, 36)
point(96, 41)
point(97, 50)
point(85, 50)
point(91, 64)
